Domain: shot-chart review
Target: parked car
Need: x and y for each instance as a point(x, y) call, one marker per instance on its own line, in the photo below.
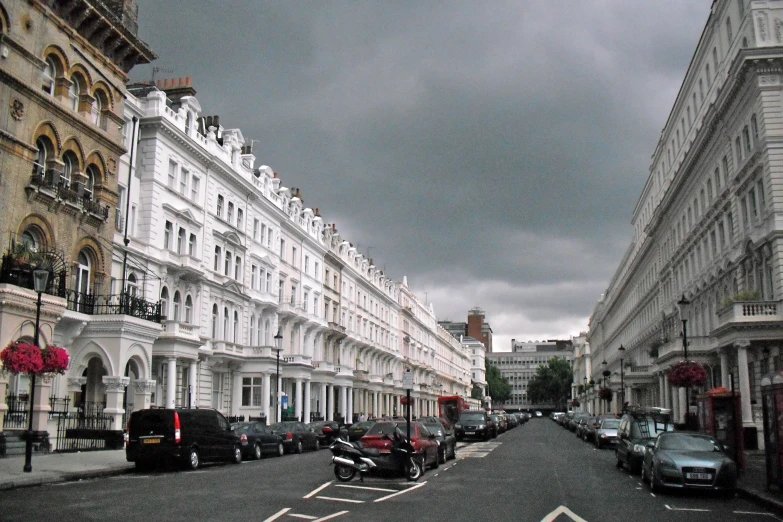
point(500, 422)
point(474, 424)
point(447, 441)
point(184, 436)
point(511, 420)
point(359, 429)
point(581, 425)
point(566, 419)
point(327, 431)
point(425, 447)
point(258, 439)
point(606, 434)
point(688, 460)
point(296, 436)
point(577, 417)
point(538, 414)
point(636, 430)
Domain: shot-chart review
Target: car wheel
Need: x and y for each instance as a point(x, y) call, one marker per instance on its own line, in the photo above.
point(644, 473)
point(453, 451)
point(317, 444)
point(619, 462)
point(436, 461)
point(257, 451)
point(654, 487)
point(193, 461)
point(237, 458)
point(280, 449)
point(442, 454)
point(597, 444)
point(299, 447)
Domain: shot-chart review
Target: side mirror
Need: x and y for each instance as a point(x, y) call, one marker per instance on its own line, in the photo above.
point(650, 444)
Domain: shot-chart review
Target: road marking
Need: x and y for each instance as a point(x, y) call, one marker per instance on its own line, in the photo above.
point(316, 490)
point(652, 494)
point(278, 514)
point(342, 499)
point(420, 484)
point(562, 510)
point(364, 487)
point(686, 509)
point(299, 515)
point(329, 517)
point(756, 513)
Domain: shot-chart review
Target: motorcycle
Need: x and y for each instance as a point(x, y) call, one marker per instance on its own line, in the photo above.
point(350, 457)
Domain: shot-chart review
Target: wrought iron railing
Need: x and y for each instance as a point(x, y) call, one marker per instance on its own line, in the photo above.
point(16, 415)
point(76, 432)
point(116, 304)
point(18, 266)
point(58, 407)
point(64, 191)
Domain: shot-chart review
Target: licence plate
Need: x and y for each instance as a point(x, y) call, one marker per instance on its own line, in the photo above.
point(150, 441)
point(470, 433)
point(698, 476)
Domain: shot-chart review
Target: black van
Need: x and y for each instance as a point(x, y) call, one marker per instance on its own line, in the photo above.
point(183, 436)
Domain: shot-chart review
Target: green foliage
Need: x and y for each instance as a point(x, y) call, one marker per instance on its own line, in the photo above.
point(551, 384)
point(498, 386)
point(748, 295)
point(477, 393)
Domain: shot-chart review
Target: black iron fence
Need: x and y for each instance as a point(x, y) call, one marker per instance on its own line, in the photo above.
point(58, 407)
point(18, 409)
point(236, 418)
point(18, 270)
point(117, 304)
point(76, 432)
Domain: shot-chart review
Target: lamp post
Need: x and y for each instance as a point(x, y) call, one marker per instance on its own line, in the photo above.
point(40, 278)
point(278, 347)
point(621, 349)
point(604, 364)
point(584, 389)
point(684, 305)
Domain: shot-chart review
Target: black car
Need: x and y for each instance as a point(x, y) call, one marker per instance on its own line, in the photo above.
point(636, 430)
point(184, 436)
point(327, 431)
point(296, 436)
point(359, 429)
point(258, 440)
point(474, 424)
point(447, 440)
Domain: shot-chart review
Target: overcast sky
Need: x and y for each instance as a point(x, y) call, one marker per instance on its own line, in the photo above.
point(492, 152)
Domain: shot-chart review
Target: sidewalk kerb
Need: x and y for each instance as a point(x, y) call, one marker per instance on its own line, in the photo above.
point(73, 476)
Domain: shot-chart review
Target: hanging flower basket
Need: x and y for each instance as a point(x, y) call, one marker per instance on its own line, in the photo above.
point(19, 357)
point(575, 403)
point(605, 394)
point(688, 374)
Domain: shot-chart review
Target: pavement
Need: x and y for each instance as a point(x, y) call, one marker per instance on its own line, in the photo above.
point(53, 468)
point(752, 483)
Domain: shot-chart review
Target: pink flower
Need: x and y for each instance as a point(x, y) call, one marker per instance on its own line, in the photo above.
point(20, 357)
point(55, 359)
point(687, 374)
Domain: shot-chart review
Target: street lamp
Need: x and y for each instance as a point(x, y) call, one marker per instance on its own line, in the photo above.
point(605, 373)
point(684, 305)
point(278, 347)
point(40, 278)
point(621, 349)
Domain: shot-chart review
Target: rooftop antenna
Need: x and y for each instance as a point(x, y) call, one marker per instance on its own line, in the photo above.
point(156, 70)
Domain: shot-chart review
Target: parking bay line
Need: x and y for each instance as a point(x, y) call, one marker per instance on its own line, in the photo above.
point(278, 515)
point(329, 517)
point(352, 501)
point(316, 490)
point(299, 515)
point(686, 509)
point(420, 484)
point(365, 487)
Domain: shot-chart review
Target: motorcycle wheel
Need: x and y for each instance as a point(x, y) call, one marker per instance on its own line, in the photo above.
point(343, 473)
point(412, 470)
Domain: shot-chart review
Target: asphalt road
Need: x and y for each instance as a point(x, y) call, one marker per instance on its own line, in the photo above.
point(536, 472)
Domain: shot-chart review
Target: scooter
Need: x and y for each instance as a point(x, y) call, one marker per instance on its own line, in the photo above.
point(350, 457)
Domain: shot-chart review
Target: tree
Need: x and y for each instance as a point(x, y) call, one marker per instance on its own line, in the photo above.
point(498, 386)
point(476, 392)
point(552, 383)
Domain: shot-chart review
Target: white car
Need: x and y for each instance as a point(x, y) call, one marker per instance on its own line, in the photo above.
point(538, 413)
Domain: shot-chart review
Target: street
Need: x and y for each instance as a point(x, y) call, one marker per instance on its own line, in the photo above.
point(536, 472)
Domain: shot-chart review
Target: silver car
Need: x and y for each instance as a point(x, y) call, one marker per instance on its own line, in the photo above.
point(688, 460)
point(606, 434)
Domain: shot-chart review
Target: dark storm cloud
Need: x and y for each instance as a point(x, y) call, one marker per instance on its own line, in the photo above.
point(492, 152)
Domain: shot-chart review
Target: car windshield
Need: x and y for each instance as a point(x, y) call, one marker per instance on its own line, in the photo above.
point(685, 442)
point(241, 428)
point(610, 424)
point(471, 417)
point(285, 426)
point(362, 425)
point(382, 428)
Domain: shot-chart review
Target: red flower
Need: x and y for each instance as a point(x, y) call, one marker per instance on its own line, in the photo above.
point(55, 359)
point(575, 403)
point(605, 394)
point(20, 357)
point(687, 374)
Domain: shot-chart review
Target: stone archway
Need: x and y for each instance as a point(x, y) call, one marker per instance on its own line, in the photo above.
point(133, 372)
point(92, 396)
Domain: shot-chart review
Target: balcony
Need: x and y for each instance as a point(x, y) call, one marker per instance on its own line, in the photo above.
point(180, 329)
point(639, 374)
point(343, 371)
point(749, 320)
point(672, 350)
point(298, 360)
point(117, 304)
point(323, 366)
point(376, 379)
point(225, 347)
point(54, 189)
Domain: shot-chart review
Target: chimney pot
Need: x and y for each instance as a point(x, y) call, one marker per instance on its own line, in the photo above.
point(181, 82)
point(187, 81)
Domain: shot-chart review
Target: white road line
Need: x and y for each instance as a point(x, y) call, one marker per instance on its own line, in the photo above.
point(341, 499)
point(686, 509)
point(316, 490)
point(420, 484)
point(299, 515)
point(560, 511)
point(329, 517)
point(652, 494)
point(364, 487)
point(278, 514)
point(756, 513)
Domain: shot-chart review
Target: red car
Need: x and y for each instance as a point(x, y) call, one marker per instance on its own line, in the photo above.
point(424, 443)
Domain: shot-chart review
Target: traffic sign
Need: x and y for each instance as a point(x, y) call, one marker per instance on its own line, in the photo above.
point(407, 380)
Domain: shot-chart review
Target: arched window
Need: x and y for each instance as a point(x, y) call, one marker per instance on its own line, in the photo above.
point(31, 239)
point(217, 258)
point(83, 273)
point(214, 321)
point(39, 166)
point(225, 324)
point(132, 285)
point(97, 107)
point(164, 302)
point(227, 267)
point(89, 183)
point(48, 75)
point(70, 165)
point(73, 94)
point(236, 326)
point(192, 245)
point(177, 303)
point(188, 309)
point(181, 241)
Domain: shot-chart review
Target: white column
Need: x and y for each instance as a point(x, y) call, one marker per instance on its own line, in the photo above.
point(236, 392)
point(662, 390)
point(344, 402)
point(667, 392)
point(683, 394)
point(306, 401)
point(299, 401)
point(725, 380)
point(744, 383)
point(193, 384)
point(266, 396)
point(322, 406)
point(278, 400)
point(330, 402)
point(349, 415)
point(376, 406)
point(171, 383)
